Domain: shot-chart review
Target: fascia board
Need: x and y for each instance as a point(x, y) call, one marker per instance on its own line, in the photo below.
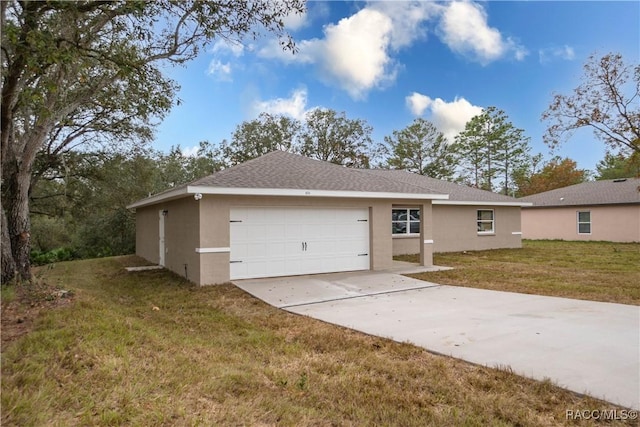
point(235, 191)
point(480, 203)
point(167, 195)
point(312, 193)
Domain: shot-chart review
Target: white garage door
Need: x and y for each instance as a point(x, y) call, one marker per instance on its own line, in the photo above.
point(269, 242)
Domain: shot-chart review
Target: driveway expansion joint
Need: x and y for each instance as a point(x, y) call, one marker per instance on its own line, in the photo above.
point(395, 291)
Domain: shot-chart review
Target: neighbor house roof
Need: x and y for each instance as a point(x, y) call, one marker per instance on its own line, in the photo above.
point(284, 174)
point(458, 193)
point(605, 192)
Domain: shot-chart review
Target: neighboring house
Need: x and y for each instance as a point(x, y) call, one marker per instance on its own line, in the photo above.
point(283, 214)
point(595, 210)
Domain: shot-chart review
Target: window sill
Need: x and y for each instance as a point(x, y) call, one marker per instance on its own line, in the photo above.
point(405, 236)
point(487, 234)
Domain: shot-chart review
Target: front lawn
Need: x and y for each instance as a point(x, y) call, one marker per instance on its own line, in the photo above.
point(597, 271)
point(148, 349)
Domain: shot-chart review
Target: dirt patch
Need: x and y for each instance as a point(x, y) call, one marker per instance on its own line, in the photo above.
point(29, 302)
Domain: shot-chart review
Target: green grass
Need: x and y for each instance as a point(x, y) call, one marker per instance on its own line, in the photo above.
point(217, 356)
point(597, 271)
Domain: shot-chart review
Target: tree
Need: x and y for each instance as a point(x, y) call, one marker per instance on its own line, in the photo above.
point(88, 73)
point(489, 148)
point(422, 149)
point(80, 206)
point(618, 166)
point(512, 152)
point(332, 137)
point(260, 136)
point(607, 101)
point(556, 173)
point(177, 169)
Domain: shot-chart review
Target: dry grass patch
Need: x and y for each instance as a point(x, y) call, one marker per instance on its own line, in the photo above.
point(217, 356)
point(596, 271)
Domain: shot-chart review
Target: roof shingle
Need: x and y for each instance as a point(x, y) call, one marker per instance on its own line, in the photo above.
point(279, 169)
point(605, 192)
point(456, 192)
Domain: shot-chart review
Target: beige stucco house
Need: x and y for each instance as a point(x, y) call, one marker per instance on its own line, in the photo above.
point(283, 214)
point(596, 210)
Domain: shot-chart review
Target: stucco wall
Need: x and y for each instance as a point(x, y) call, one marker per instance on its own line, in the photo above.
point(214, 225)
point(181, 236)
point(197, 232)
point(611, 223)
point(147, 233)
point(455, 229)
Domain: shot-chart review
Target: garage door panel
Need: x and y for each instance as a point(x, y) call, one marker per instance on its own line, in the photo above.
point(275, 231)
point(268, 242)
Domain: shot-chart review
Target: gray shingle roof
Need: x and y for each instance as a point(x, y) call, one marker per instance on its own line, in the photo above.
point(279, 169)
point(456, 192)
point(285, 171)
point(606, 192)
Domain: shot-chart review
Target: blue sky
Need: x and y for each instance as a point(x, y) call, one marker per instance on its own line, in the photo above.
point(388, 62)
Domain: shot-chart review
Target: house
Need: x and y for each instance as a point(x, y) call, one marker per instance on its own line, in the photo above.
point(469, 220)
point(283, 214)
point(595, 210)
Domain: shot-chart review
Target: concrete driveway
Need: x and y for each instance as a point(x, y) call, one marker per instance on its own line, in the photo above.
point(588, 347)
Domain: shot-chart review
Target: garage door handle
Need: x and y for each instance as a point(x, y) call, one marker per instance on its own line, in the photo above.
point(363, 254)
point(304, 246)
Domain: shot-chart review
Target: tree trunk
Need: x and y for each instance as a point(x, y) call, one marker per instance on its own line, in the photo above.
point(8, 264)
point(16, 207)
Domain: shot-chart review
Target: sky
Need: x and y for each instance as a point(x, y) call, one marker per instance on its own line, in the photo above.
point(389, 62)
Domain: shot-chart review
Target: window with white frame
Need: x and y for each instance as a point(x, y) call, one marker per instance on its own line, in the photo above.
point(405, 221)
point(485, 221)
point(584, 222)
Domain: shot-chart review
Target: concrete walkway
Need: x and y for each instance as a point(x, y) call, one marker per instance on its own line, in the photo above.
point(588, 347)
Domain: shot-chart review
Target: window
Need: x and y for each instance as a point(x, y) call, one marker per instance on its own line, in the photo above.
point(405, 221)
point(485, 221)
point(584, 222)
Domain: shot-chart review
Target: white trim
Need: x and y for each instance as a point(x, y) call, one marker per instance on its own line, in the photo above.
point(493, 222)
point(312, 193)
point(517, 233)
point(578, 223)
point(183, 191)
point(468, 203)
point(167, 195)
point(427, 242)
point(212, 250)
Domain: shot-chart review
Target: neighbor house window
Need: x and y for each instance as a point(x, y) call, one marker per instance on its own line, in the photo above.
point(584, 222)
point(405, 221)
point(485, 221)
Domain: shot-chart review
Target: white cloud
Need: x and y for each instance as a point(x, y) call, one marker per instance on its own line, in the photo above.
point(449, 117)
point(408, 19)
point(307, 51)
point(464, 28)
point(295, 21)
point(564, 53)
point(190, 151)
point(355, 51)
point(417, 103)
point(227, 46)
point(219, 70)
point(294, 106)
